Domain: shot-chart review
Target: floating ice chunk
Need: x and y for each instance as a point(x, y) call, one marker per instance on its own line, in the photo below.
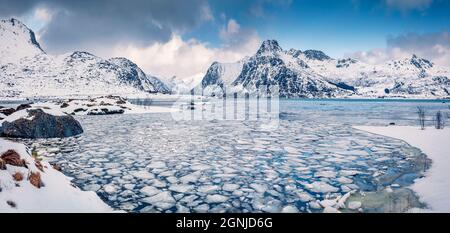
point(149, 190)
point(314, 205)
point(343, 199)
point(157, 164)
point(289, 209)
point(109, 188)
point(354, 205)
point(304, 197)
point(181, 188)
point(376, 174)
point(344, 180)
point(348, 172)
point(127, 193)
point(166, 173)
point(143, 175)
point(129, 186)
point(330, 209)
point(321, 187)
point(328, 203)
point(216, 198)
point(345, 188)
point(113, 172)
point(208, 188)
point(272, 206)
point(228, 170)
point(230, 187)
point(238, 193)
point(127, 206)
point(188, 199)
point(200, 167)
point(326, 174)
point(158, 183)
point(260, 188)
point(201, 208)
point(221, 208)
point(182, 209)
point(163, 200)
point(193, 177)
point(172, 179)
point(382, 159)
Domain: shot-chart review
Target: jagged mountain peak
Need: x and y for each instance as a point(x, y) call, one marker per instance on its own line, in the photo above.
point(17, 41)
point(316, 55)
point(420, 63)
point(270, 47)
point(79, 72)
point(18, 28)
point(82, 54)
point(122, 61)
point(312, 73)
point(294, 52)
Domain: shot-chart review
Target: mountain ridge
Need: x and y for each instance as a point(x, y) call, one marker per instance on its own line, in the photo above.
point(313, 74)
point(26, 70)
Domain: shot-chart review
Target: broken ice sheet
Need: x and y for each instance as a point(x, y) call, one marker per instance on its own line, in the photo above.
point(234, 166)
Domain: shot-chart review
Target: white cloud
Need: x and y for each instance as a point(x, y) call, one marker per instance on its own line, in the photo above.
point(191, 58)
point(406, 5)
point(433, 46)
point(231, 29)
point(43, 14)
point(378, 56)
point(183, 59)
point(206, 13)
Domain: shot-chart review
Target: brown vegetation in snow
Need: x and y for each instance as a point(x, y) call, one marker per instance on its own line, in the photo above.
point(18, 176)
point(35, 179)
point(11, 157)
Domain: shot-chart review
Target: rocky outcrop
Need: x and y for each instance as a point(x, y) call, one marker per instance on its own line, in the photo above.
point(104, 105)
point(36, 123)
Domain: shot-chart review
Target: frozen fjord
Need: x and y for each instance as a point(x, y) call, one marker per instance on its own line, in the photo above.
point(149, 163)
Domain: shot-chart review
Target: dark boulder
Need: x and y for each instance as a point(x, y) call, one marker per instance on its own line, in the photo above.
point(40, 124)
point(64, 105)
point(7, 111)
point(23, 106)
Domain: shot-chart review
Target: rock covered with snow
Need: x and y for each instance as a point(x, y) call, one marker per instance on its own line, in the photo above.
point(40, 123)
point(103, 105)
point(77, 73)
point(29, 184)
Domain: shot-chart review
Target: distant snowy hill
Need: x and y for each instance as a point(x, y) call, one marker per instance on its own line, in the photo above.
point(313, 74)
point(27, 71)
point(183, 85)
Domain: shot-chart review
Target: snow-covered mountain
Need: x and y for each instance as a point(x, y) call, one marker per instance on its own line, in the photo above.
point(311, 73)
point(184, 85)
point(27, 71)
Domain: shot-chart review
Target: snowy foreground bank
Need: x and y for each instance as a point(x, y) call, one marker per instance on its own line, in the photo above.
point(434, 188)
point(30, 185)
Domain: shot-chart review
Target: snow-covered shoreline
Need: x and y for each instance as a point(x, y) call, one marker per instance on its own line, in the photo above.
point(434, 187)
point(53, 193)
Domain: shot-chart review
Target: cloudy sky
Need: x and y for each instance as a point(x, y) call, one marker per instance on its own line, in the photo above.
point(183, 37)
